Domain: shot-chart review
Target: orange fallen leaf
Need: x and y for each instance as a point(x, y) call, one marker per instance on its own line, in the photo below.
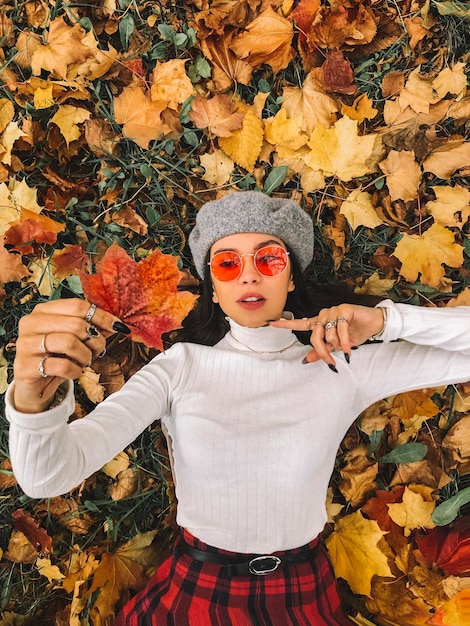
point(143, 294)
point(267, 39)
point(71, 259)
point(38, 536)
point(32, 227)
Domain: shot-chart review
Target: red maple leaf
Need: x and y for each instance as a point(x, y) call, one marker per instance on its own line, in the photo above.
point(30, 527)
point(144, 294)
point(448, 547)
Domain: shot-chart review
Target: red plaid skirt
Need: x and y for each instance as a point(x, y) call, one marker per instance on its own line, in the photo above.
point(185, 592)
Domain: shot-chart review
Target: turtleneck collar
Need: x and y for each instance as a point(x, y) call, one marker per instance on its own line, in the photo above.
point(262, 339)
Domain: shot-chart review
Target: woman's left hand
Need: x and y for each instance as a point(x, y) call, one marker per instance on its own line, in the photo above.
point(340, 327)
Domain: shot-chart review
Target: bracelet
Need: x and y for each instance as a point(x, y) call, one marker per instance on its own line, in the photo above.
point(378, 336)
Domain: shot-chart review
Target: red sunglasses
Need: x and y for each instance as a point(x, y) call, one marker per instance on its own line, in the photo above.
point(269, 261)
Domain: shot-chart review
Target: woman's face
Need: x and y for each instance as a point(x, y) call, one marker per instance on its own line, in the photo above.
point(251, 299)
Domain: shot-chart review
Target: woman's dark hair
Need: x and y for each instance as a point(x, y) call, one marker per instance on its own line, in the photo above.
point(206, 323)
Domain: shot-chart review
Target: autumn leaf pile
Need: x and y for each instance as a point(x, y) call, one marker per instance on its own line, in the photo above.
point(117, 121)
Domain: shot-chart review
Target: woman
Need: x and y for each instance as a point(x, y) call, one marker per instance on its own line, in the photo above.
point(254, 416)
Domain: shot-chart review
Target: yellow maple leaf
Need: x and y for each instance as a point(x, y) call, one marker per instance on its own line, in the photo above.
point(403, 174)
point(425, 254)
point(244, 145)
point(171, 83)
point(45, 568)
point(122, 570)
point(361, 109)
point(12, 199)
point(117, 464)
point(11, 133)
point(81, 566)
point(139, 116)
point(359, 210)
point(43, 96)
point(7, 112)
point(63, 47)
point(451, 80)
point(413, 512)
point(42, 275)
point(284, 133)
point(451, 206)
point(374, 285)
point(450, 157)
point(341, 152)
point(218, 167)
point(267, 39)
point(309, 105)
point(67, 118)
point(354, 552)
point(418, 93)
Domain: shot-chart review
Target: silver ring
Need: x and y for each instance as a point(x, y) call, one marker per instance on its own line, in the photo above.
point(318, 324)
point(102, 353)
point(91, 332)
point(41, 370)
point(329, 325)
point(343, 319)
point(90, 312)
point(42, 345)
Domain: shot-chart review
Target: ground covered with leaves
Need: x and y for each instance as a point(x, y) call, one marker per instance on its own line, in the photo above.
point(117, 121)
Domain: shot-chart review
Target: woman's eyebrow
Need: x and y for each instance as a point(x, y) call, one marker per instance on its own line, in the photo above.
point(268, 242)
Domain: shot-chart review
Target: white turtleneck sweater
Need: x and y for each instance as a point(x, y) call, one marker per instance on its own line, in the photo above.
point(254, 432)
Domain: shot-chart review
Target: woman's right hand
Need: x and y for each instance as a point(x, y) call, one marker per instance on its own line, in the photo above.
point(55, 343)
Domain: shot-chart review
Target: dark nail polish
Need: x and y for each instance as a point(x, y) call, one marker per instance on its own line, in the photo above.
point(332, 368)
point(119, 327)
point(354, 347)
point(347, 358)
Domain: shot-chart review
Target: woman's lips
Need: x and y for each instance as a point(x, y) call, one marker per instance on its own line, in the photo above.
point(251, 301)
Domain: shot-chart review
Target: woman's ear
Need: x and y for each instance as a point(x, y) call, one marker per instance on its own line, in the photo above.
point(215, 299)
point(291, 285)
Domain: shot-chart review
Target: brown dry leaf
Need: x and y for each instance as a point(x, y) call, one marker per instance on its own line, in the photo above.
point(414, 511)
point(89, 382)
point(341, 152)
point(449, 158)
point(70, 260)
point(7, 112)
point(359, 210)
point(336, 74)
point(124, 485)
point(376, 286)
point(354, 552)
point(309, 105)
point(139, 116)
point(10, 135)
point(244, 146)
point(63, 47)
point(424, 255)
point(128, 217)
point(216, 114)
point(267, 39)
point(20, 549)
point(451, 206)
point(457, 441)
point(358, 476)
point(395, 605)
point(403, 175)
point(68, 118)
point(7, 478)
point(228, 70)
point(66, 512)
point(171, 83)
point(451, 81)
point(416, 30)
point(100, 137)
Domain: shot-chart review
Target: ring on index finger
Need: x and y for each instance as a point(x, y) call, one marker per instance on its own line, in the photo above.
point(90, 312)
point(42, 345)
point(91, 333)
point(330, 325)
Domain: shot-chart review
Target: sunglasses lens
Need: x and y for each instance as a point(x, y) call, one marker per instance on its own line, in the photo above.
point(271, 260)
point(226, 265)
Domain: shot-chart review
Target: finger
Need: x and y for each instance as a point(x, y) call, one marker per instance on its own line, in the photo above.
point(307, 323)
point(76, 307)
point(60, 344)
point(342, 328)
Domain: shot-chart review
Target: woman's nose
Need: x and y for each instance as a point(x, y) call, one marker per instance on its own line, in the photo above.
point(249, 273)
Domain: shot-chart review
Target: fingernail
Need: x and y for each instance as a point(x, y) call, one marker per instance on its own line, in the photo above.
point(119, 327)
point(347, 358)
point(332, 368)
point(304, 361)
point(354, 347)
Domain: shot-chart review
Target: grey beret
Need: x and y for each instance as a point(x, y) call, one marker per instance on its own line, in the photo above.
point(252, 212)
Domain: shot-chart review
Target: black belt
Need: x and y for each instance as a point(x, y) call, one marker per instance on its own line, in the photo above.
point(259, 565)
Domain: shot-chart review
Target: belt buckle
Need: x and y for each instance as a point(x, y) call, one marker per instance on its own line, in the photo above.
point(260, 567)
